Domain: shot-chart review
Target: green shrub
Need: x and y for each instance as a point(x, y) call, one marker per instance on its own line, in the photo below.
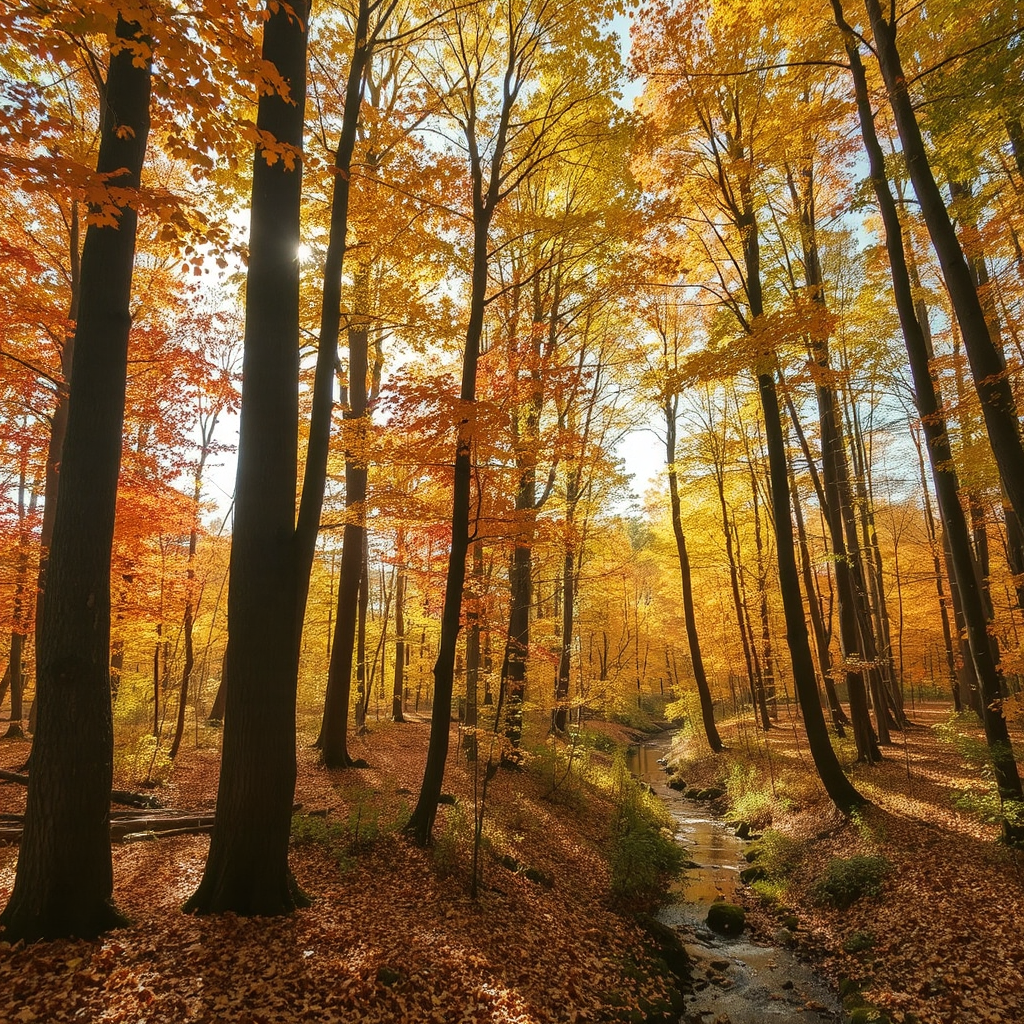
point(452, 843)
point(344, 838)
point(142, 761)
point(600, 741)
point(749, 799)
point(644, 854)
point(859, 942)
point(846, 880)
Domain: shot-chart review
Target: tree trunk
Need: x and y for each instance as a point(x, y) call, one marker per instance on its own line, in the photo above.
point(837, 785)
point(734, 584)
point(707, 706)
point(247, 868)
point(560, 718)
point(315, 472)
point(421, 822)
point(821, 639)
point(398, 688)
point(362, 683)
point(334, 731)
point(987, 364)
point(939, 452)
point(64, 881)
point(933, 541)
point(474, 600)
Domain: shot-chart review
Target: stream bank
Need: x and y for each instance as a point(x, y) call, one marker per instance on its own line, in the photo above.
point(735, 980)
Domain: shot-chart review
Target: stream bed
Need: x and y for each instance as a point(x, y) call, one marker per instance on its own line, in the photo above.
point(735, 980)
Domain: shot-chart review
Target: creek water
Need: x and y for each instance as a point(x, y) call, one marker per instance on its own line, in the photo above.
point(735, 980)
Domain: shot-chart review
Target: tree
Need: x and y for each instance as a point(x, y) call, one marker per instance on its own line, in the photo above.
point(939, 450)
point(988, 366)
point(729, 147)
point(64, 883)
point(666, 324)
point(247, 869)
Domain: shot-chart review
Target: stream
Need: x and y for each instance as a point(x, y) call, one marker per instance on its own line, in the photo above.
point(735, 980)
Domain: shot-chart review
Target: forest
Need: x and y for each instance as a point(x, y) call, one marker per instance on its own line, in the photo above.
point(336, 342)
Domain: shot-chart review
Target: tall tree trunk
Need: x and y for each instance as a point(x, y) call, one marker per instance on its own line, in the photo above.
point(560, 717)
point(939, 452)
point(59, 419)
point(766, 694)
point(988, 367)
point(933, 542)
point(707, 706)
point(247, 868)
point(734, 584)
point(19, 633)
point(474, 600)
point(315, 472)
point(485, 197)
point(334, 730)
point(362, 683)
point(64, 881)
point(821, 639)
point(188, 620)
point(839, 788)
point(757, 693)
point(398, 688)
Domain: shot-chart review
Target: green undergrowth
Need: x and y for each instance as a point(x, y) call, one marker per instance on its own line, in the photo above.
point(345, 838)
point(982, 801)
point(644, 855)
point(751, 798)
point(848, 879)
point(775, 856)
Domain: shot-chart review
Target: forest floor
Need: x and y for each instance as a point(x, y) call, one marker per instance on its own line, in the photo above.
point(941, 942)
point(392, 934)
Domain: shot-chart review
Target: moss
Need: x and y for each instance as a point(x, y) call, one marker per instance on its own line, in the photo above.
point(726, 918)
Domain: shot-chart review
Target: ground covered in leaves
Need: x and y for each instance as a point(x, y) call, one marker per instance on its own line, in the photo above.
point(940, 942)
point(392, 934)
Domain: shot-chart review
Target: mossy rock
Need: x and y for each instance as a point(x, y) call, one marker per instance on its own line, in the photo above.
point(752, 852)
point(447, 798)
point(713, 793)
point(726, 918)
point(753, 874)
point(847, 986)
point(693, 793)
point(869, 1015)
point(677, 783)
point(743, 830)
point(791, 921)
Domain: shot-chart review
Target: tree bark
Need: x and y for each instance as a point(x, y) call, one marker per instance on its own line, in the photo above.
point(707, 706)
point(398, 687)
point(839, 788)
point(987, 364)
point(64, 881)
point(939, 451)
point(247, 868)
point(334, 732)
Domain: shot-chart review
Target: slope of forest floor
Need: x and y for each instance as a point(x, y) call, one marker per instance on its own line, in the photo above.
point(392, 933)
point(941, 942)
